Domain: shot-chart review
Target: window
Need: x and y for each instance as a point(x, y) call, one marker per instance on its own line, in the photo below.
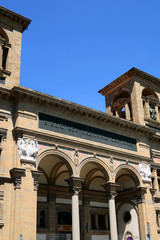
point(93, 223)
point(64, 218)
point(98, 222)
point(121, 106)
point(159, 186)
point(4, 57)
point(150, 104)
point(42, 218)
point(101, 221)
point(2, 80)
point(127, 217)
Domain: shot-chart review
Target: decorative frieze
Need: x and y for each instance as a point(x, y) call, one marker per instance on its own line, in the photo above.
point(145, 171)
point(28, 149)
point(75, 129)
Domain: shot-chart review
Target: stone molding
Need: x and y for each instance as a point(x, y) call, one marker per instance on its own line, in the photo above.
point(78, 109)
point(16, 175)
point(5, 180)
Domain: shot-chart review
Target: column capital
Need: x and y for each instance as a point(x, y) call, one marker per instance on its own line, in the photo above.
point(36, 175)
point(111, 195)
point(16, 175)
point(75, 184)
point(140, 192)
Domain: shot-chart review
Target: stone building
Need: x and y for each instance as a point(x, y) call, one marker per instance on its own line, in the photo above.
point(66, 169)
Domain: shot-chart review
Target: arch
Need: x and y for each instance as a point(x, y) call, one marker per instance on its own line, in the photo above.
point(121, 105)
point(43, 173)
point(65, 158)
point(52, 177)
point(100, 163)
point(129, 202)
point(134, 173)
point(4, 35)
point(122, 94)
point(126, 226)
point(149, 92)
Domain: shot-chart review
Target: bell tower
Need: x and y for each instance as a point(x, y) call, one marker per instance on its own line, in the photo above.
point(12, 25)
point(134, 96)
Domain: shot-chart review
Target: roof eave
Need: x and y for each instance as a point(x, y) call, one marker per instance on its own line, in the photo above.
point(23, 21)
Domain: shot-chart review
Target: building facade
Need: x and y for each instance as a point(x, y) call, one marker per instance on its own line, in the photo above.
point(70, 171)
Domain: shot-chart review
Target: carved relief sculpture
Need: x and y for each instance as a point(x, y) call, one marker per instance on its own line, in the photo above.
point(145, 171)
point(28, 148)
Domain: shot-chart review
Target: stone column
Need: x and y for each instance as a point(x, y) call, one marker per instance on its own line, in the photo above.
point(146, 110)
point(155, 183)
point(127, 111)
point(157, 112)
point(112, 216)
point(111, 193)
point(136, 101)
point(75, 186)
point(141, 212)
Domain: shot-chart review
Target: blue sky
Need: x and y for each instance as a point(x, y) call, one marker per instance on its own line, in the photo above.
point(73, 48)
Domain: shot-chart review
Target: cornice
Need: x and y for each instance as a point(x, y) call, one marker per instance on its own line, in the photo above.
point(19, 93)
point(132, 72)
point(23, 21)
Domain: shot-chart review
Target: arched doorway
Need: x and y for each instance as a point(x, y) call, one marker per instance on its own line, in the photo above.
point(127, 216)
point(95, 224)
point(54, 214)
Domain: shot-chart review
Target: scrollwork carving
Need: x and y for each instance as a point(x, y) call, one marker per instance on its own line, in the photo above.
point(76, 190)
point(112, 195)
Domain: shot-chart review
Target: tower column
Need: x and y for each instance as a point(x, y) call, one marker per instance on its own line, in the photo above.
point(127, 111)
